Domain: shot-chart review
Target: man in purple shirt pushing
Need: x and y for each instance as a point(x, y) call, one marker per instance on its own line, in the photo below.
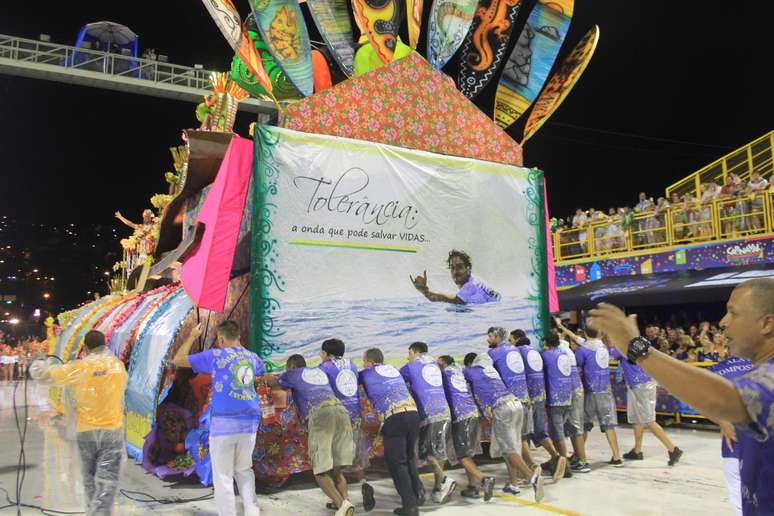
point(746, 401)
point(472, 291)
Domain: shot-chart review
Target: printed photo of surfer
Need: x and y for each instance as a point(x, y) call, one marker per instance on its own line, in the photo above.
point(472, 291)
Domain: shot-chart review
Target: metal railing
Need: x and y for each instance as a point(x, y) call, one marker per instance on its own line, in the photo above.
point(756, 155)
point(657, 231)
point(118, 65)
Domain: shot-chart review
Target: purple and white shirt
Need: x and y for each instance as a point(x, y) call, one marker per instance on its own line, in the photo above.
point(730, 368)
point(575, 378)
point(385, 388)
point(475, 292)
point(633, 374)
point(558, 369)
point(310, 389)
point(509, 363)
point(486, 384)
point(426, 381)
point(342, 376)
point(533, 366)
point(593, 360)
point(458, 395)
point(756, 441)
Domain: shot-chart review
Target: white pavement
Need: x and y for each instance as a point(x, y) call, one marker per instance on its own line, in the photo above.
point(649, 487)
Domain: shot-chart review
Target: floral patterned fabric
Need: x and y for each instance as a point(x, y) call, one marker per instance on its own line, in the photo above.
point(407, 104)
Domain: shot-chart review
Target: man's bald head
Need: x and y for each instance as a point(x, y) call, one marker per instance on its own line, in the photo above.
point(761, 294)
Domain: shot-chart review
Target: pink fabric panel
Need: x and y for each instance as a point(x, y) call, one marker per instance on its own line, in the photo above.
point(553, 297)
point(206, 272)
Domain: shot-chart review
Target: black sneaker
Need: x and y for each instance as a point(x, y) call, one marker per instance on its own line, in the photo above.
point(567, 473)
point(618, 463)
point(406, 512)
point(488, 485)
point(368, 496)
point(674, 456)
point(632, 455)
point(581, 467)
point(470, 492)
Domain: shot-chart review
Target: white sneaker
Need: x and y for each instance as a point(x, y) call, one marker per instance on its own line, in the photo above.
point(443, 494)
point(346, 509)
point(253, 511)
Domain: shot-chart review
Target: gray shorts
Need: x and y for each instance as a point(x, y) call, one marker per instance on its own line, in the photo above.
point(574, 424)
point(507, 418)
point(526, 423)
point(538, 409)
point(433, 438)
point(641, 404)
point(599, 406)
point(330, 438)
point(558, 417)
point(466, 436)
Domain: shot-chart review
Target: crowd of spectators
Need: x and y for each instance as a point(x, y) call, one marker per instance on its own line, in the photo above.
point(15, 354)
point(691, 217)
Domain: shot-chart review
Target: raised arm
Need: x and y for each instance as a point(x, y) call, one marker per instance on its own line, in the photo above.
point(181, 357)
point(710, 394)
point(125, 220)
point(420, 283)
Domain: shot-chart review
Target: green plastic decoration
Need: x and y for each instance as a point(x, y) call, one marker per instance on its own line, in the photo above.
point(283, 89)
point(366, 59)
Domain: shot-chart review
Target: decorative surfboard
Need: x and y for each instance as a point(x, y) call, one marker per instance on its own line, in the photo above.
point(332, 20)
point(484, 48)
point(414, 19)
point(381, 19)
point(282, 29)
point(561, 82)
point(449, 22)
point(531, 60)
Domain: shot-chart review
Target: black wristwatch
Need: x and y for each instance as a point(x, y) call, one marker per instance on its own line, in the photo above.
point(638, 348)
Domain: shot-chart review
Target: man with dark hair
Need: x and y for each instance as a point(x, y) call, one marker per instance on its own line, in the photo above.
point(236, 412)
point(342, 376)
point(510, 365)
point(466, 427)
point(391, 399)
point(97, 382)
point(536, 388)
point(471, 290)
point(424, 378)
point(469, 358)
point(747, 401)
point(329, 432)
point(505, 413)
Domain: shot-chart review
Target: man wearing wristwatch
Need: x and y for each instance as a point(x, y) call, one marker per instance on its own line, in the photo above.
point(747, 401)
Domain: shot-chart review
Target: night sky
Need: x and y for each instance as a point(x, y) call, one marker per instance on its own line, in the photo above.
point(669, 90)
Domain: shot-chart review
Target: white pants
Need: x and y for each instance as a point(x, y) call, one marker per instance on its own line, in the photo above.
point(733, 483)
point(232, 458)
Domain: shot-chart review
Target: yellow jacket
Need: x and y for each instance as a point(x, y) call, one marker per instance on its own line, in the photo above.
point(98, 382)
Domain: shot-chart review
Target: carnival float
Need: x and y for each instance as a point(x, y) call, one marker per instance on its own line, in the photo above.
point(377, 164)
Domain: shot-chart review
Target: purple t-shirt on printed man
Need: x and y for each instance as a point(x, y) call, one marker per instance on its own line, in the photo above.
point(475, 292)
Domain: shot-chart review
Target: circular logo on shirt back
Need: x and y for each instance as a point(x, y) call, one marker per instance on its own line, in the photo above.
point(387, 371)
point(491, 372)
point(459, 383)
point(535, 360)
point(432, 375)
point(314, 377)
point(245, 375)
point(346, 382)
point(515, 362)
point(602, 357)
point(563, 363)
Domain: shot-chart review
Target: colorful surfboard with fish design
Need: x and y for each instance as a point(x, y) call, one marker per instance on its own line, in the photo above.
point(449, 22)
point(381, 19)
point(332, 20)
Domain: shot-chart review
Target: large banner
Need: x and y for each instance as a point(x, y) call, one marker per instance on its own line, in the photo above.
point(383, 246)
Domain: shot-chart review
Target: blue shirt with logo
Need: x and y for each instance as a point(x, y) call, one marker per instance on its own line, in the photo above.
point(426, 381)
point(342, 375)
point(310, 389)
point(235, 406)
point(509, 363)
